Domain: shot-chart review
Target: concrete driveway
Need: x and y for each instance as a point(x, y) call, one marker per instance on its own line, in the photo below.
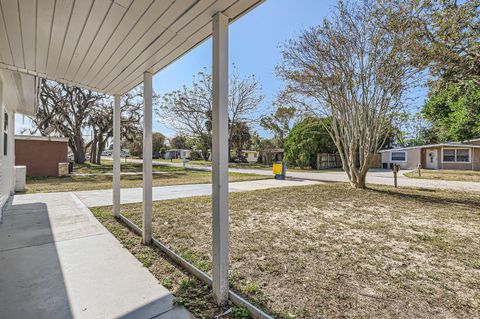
point(58, 261)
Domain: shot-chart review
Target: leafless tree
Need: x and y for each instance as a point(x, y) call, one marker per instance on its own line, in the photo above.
point(189, 110)
point(101, 121)
point(65, 109)
point(349, 70)
point(71, 111)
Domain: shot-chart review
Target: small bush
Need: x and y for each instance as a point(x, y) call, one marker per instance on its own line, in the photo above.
point(240, 313)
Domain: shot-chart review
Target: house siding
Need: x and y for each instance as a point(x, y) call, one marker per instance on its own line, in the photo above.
point(414, 157)
point(7, 173)
point(419, 156)
point(476, 159)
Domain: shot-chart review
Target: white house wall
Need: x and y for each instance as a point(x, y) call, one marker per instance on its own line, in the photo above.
point(414, 157)
point(7, 162)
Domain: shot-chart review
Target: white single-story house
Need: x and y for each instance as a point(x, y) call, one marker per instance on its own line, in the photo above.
point(251, 156)
point(177, 153)
point(451, 155)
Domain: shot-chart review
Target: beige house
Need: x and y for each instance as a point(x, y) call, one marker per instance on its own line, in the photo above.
point(456, 156)
point(251, 156)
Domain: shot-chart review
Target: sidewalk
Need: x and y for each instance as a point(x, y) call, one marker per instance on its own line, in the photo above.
point(58, 261)
point(134, 195)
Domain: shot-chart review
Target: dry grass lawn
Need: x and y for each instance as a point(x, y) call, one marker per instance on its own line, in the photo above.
point(163, 176)
point(447, 175)
point(328, 251)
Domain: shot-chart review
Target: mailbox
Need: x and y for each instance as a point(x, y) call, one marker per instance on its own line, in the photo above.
point(395, 168)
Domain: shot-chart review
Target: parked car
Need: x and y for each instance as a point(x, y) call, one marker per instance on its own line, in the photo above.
point(240, 159)
point(107, 153)
point(124, 153)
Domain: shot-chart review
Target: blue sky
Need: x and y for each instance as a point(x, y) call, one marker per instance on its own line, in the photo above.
point(254, 42)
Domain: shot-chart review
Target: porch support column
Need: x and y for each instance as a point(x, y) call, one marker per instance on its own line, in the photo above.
point(147, 158)
point(116, 156)
point(220, 225)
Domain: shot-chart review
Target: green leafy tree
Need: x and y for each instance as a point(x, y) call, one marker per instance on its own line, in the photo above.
point(455, 111)
point(441, 36)
point(178, 142)
point(279, 123)
point(158, 141)
point(306, 140)
point(135, 145)
point(240, 136)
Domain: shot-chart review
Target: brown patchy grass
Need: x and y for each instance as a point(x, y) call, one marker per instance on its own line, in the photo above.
point(332, 251)
point(447, 175)
point(168, 176)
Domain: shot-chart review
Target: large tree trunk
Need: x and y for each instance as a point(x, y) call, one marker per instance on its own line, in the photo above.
point(358, 180)
point(93, 151)
point(78, 149)
point(100, 148)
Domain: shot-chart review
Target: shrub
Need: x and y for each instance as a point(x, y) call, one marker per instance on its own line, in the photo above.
point(307, 138)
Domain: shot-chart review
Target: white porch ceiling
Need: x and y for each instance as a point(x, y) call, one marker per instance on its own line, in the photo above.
point(104, 45)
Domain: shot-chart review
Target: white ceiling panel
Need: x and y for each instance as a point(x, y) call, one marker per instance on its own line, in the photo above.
point(28, 20)
point(81, 11)
point(14, 31)
point(45, 12)
point(105, 45)
point(61, 19)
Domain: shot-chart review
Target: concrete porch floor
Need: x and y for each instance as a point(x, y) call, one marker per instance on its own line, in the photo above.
point(58, 261)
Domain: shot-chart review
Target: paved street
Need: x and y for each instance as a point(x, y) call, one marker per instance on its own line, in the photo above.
point(377, 176)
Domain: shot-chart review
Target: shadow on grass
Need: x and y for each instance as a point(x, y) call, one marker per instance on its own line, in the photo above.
point(402, 193)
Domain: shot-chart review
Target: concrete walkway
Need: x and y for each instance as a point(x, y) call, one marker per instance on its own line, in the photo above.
point(58, 261)
point(134, 195)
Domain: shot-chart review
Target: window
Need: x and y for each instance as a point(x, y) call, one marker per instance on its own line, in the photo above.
point(463, 155)
point(449, 155)
point(399, 156)
point(5, 133)
point(456, 155)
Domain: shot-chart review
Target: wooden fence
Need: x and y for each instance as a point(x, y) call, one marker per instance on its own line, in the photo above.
point(327, 160)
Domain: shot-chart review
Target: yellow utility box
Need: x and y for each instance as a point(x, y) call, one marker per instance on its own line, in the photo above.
point(277, 168)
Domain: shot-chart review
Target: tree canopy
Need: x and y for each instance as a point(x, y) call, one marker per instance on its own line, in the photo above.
point(279, 122)
point(308, 138)
point(441, 35)
point(189, 110)
point(455, 111)
point(354, 72)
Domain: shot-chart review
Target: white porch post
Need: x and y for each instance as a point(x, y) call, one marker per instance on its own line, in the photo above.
point(116, 156)
point(220, 225)
point(147, 158)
